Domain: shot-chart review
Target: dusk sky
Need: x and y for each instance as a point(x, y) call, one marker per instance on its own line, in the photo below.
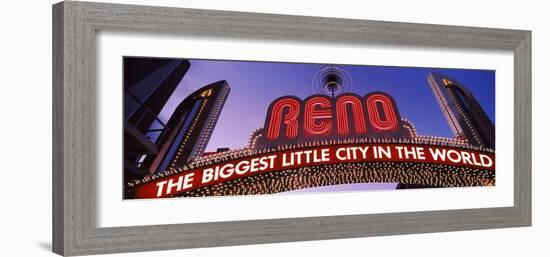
point(254, 85)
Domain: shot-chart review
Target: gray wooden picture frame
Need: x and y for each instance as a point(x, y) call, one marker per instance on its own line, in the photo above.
point(75, 25)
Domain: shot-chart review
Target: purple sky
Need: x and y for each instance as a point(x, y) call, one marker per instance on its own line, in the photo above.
point(344, 188)
point(254, 85)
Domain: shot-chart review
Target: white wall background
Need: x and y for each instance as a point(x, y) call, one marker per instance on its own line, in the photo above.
point(25, 142)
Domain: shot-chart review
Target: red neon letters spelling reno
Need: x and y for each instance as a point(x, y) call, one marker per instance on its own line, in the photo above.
point(319, 115)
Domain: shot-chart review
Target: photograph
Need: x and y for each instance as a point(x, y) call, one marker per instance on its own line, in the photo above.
point(197, 127)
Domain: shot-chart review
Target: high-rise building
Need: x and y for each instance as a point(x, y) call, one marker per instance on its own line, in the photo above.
point(188, 130)
point(151, 145)
point(463, 112)
point(148, 84)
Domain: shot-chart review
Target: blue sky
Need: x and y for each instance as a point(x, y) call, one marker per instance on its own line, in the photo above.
point(254, 85)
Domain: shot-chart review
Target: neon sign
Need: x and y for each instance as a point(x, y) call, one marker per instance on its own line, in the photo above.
point(291, 120)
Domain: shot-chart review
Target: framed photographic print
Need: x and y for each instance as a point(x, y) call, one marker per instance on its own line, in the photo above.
point(183, 128)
